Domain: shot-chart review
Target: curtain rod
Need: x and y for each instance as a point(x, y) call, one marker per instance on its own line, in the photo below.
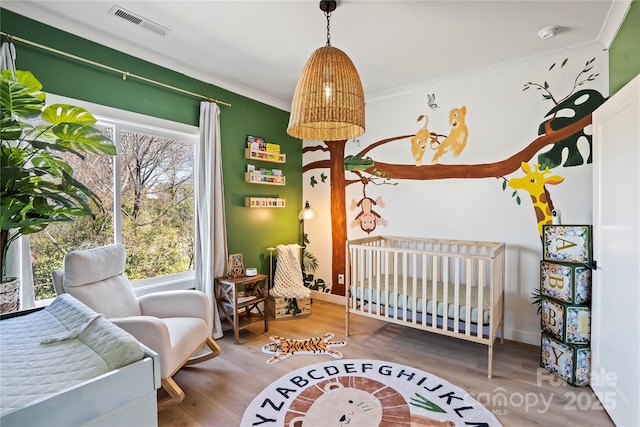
point(125, 74)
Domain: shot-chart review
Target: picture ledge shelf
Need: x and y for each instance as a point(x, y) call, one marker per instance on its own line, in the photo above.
point(264, 202)
point(265, 156)
point(260, 178)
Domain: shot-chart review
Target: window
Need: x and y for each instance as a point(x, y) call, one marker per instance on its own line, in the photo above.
point(147, 203)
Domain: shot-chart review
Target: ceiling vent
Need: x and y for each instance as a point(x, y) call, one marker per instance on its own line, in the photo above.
point(138, 20)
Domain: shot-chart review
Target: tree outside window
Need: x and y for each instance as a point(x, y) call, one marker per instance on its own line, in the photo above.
point(154, 181)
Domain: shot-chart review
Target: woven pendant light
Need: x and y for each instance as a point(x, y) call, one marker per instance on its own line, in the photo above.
point(328, 103)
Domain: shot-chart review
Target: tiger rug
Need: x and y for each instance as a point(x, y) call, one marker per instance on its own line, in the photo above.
point(284, 348)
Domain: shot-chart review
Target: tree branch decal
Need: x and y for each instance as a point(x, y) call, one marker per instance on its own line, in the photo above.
point(562, 128)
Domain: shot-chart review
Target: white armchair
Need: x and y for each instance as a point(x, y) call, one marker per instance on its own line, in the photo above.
point(175, 324)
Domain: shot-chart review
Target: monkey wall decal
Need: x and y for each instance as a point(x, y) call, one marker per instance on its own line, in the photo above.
point(367, 218)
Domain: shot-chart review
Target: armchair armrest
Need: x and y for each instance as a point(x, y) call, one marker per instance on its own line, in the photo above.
point(176, 304)
point(151, 332)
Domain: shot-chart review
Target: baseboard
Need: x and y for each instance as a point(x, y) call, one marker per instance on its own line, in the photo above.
point(324, 296)
point(526, 337)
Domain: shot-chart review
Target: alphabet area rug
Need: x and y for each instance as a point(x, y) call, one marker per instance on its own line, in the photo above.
point(360, 392)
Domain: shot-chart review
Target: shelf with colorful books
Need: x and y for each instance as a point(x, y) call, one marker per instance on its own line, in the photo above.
point(259, 149)
point(258, 178)
point(267, 176)
point(264, 156)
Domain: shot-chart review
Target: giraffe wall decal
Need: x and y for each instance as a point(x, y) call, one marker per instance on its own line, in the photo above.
point(534, 182)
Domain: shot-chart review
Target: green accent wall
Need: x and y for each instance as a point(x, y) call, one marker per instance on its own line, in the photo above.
point(624, 53)
point(249, 231)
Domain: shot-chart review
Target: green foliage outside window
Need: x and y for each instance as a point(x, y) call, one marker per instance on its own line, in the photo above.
point(156, 210)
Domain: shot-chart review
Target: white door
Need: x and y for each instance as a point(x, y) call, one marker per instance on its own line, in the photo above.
point(615, 331)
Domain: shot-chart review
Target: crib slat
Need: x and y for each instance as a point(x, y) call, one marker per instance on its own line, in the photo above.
point(434, 293)
point(363, 274)
point(378, 272)
point(405, 297)
point(366, 260)
point(396, 295)
point(467, 303)
point(456, 296)
point(425, 261)
point(386, 282)
point(445, 291)
point(414, 289)
point(481, 282)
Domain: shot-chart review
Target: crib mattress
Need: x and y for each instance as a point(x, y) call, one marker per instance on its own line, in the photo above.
point(391, 300)
point(59, 347)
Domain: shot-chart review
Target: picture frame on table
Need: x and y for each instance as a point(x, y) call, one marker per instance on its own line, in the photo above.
point(235, 266)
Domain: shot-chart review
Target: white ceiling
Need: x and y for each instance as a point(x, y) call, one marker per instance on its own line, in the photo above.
point(258, 48)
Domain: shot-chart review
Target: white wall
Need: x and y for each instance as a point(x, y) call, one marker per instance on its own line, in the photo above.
point(502, 120)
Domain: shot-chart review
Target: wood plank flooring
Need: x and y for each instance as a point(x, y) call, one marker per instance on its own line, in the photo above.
point(519, 394)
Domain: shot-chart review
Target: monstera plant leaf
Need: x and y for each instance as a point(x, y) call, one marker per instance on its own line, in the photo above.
point(571, 110)
point(23, 96)
point(37, 186)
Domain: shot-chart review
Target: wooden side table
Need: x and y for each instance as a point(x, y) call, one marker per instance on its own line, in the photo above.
point(239, 298)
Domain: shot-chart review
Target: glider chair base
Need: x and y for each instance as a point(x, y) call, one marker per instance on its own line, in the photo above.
point(215, 352)
point(174, 394)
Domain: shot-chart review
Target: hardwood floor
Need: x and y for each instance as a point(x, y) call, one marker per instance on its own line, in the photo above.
point(519, 394)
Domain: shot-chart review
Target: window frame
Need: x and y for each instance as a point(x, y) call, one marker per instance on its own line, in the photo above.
point(136, 122)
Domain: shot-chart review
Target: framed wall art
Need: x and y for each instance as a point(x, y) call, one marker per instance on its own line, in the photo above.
point(235, 266)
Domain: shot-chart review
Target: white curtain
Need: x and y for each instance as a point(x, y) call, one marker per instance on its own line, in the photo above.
point(211, 232)
point(19, 255)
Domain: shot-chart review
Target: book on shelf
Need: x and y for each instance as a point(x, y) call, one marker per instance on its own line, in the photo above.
point(256, 143)
point(243, 298)
point(265, 171)
point(272, 148)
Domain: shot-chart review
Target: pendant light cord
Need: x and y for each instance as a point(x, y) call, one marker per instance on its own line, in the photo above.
point(328, 15)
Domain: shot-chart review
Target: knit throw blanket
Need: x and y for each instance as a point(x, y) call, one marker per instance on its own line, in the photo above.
point(288, 282)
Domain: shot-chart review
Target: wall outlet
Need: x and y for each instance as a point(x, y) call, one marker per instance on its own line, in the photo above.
point(341, 279)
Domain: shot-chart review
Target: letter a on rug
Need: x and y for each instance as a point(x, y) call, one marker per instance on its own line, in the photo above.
point(284, 348)
point(360, 392)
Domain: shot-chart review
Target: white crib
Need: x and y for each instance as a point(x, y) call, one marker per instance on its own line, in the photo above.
point(450, 287)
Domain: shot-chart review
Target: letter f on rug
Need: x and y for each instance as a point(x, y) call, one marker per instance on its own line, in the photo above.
point(284, 348)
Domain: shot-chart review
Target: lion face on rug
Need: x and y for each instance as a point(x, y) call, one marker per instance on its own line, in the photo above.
point(355, 402)
point(341, 405)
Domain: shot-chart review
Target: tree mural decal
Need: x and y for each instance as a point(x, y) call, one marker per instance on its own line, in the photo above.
point(562, 127)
